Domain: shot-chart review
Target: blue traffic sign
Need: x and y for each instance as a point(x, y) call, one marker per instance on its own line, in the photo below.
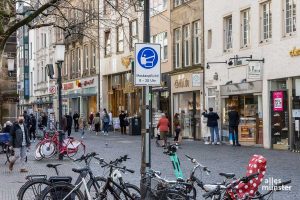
point(147, 57)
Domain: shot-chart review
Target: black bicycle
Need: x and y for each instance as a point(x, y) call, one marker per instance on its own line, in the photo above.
point(65, 191)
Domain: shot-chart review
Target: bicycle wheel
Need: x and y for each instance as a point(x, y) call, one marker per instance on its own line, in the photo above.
point(48, 148)
point(95, 187)
point(37, 152)
point(32, 189)
point(133, 190)
point(75, 150)
point(60, 191)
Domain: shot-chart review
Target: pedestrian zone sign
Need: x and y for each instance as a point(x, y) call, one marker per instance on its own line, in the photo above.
point(147, 65)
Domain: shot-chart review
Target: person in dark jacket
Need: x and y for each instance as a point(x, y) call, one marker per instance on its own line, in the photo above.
point(19, 140)
point(7, 127)
point(234, 120)
point(123, 123)
point(76, 123)
point(44, 120)
point(212, 123)
point(32, 127)
point(69, 123)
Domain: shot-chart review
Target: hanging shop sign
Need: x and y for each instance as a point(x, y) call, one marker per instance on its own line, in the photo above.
point(254, 70)
point(294, 52)
point(68, 86)
point(196, 80)
point(52, 90)
point(278, 101)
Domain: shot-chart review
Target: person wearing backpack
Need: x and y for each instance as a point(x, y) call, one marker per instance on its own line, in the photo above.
point(105, 121)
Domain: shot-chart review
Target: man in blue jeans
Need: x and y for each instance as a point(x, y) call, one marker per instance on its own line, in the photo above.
point(212, 123)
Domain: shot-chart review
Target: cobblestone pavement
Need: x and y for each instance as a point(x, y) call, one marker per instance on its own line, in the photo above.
point(283, 165)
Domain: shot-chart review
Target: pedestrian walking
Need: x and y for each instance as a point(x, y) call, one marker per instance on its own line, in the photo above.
point(19, 141)
point(110, 125)
point(82, 125)
point(105, 121)
point(177, 127)
point(123, 122)
point(212, 123)
point(76, 123)
point(96, 122)
point(91, 119)
point(69, 123)
point(234, 120)
point(32, 128)
point(64, 123)
point(44, 120)
point(7, 127)
point(163, 126)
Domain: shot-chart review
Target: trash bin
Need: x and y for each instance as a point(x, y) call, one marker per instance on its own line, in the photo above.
point(135, 126)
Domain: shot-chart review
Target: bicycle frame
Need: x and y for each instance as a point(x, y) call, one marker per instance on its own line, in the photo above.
point(109, 185)
point(176, 165)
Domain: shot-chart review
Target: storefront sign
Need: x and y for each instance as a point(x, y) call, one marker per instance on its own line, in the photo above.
point(254, 70)
point(68, 86)
point(241, 88)
point(87, 83)
point(147, 65)
point(295, 52)
point(196, 80)
point(278, 101)
point(181, 83)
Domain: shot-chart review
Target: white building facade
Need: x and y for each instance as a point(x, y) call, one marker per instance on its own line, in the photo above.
point(262, 41)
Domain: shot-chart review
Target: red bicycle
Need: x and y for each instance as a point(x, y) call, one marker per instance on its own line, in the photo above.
point(50, 146)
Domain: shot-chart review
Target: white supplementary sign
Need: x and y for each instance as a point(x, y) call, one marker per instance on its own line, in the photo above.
point(296, 125)
point(147, 65)
point(254, 70)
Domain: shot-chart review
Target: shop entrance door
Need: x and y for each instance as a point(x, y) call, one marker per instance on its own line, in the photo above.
point(296, 124)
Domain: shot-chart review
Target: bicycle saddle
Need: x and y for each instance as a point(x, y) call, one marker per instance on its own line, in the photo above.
point(80, 170)
point(181, 180)
point(227, 175)
point(52, 165)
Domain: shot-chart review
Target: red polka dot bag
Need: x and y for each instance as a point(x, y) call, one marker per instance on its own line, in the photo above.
point(257, 164)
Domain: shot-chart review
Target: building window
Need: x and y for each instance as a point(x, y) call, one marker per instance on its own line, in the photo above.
point(211, 97)
point(266, 21)
point(73, 61)
point(209, 38)
point(177, 47)
point(120, 39)
point(196, 42)
point(78, 53)
point(86, 56)
point(133, 33)
point(66, 63)
point(228, 32)
point(177, 3)
point(245, 27)
point(186, 45)
point(94, 56)
point(107, 50)
point(162, 39)
point(290, 16)
point(157, 6)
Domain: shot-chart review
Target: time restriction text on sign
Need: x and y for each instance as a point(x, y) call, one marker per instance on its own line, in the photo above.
point(147, 64)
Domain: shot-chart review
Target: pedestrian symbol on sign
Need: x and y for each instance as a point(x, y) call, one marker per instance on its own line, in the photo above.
point(147, 57)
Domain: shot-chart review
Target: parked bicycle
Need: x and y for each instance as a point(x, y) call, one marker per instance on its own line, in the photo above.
point(37, 183)
point(63, 191)
point(50, 146)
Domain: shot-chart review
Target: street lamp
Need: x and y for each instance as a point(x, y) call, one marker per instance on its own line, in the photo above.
point(59, 59)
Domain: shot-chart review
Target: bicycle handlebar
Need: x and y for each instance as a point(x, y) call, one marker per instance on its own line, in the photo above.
point(194, 161)
point(283, 183)
point(86, 157)
point(246, 179)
